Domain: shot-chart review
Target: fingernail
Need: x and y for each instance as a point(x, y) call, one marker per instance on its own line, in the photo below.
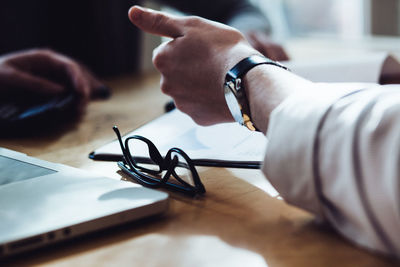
point(136, 12)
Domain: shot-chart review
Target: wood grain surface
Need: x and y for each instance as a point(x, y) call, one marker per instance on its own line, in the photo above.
point(239, 222)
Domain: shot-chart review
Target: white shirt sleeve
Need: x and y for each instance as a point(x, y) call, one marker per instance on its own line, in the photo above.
point(336, 154)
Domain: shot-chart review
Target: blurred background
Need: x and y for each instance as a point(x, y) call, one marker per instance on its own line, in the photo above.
point(100, 42)
point(99, 34)
point(307, 27)
point(339, 18)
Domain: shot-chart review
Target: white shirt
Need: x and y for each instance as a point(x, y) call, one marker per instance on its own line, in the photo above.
point(336, 154)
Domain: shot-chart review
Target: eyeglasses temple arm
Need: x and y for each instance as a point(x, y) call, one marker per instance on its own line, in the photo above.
point(115, 128)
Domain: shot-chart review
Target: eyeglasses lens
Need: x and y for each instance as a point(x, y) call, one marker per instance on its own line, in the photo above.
point(182, 169)
point(139, 151)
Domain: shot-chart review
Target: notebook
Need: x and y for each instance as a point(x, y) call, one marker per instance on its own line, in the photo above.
point(222, 145)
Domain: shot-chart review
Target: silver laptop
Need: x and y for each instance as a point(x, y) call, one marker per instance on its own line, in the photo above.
point(42, 202)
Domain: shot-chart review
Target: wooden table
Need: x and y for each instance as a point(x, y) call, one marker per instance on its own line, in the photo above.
point(240, 222)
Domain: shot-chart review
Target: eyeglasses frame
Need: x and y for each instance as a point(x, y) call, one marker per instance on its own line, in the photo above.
point(168, 164)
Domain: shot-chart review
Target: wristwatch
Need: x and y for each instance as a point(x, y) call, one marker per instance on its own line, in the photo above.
point(234, 90)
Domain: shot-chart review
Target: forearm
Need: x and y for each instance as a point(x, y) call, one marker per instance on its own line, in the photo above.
point(336, 154)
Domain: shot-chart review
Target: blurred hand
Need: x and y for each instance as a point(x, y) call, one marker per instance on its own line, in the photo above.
point(193, 65)
point(45, 72)
point(262, 42)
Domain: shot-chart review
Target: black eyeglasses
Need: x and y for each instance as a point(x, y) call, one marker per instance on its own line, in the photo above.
point(154, 171)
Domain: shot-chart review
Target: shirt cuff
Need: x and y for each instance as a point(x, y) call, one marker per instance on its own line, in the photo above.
point(292, 129)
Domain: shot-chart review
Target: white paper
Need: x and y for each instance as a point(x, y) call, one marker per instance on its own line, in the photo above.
point(227, 141)
point(232, 142)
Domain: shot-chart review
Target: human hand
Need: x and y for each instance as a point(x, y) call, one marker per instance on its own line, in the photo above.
point(43, 72)
point(194, 63)
point(262, 42)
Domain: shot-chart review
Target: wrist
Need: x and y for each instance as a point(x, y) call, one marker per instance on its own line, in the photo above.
point(259, 88)
point(266, 87)
point(235, 89)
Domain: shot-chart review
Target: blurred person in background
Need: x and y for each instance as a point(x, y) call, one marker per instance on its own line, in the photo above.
point(46, 44)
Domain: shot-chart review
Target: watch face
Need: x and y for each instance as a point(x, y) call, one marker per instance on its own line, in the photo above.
point(233, 104)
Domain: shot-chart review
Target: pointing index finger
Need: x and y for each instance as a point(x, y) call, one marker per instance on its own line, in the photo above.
point(156, 22)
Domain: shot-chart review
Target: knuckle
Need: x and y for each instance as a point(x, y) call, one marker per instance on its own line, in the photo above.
point(236, 34)
point(193, 21)
point(192, 111)
point(165, 87)
point(185, 108)
point(180, 106)
point(160, 61)
point(158, 21)
point(157, 62)
point(156, 59)
point(7, 70)
point(198, 119)
point(45, 52)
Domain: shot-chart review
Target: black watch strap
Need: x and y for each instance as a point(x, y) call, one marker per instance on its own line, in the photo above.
point(233, 81)
point(240, 69)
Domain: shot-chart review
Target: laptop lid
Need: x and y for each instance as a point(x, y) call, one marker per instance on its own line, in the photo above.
point(42, 202)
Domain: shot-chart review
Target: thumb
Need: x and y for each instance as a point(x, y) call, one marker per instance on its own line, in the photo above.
point(156, 22)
